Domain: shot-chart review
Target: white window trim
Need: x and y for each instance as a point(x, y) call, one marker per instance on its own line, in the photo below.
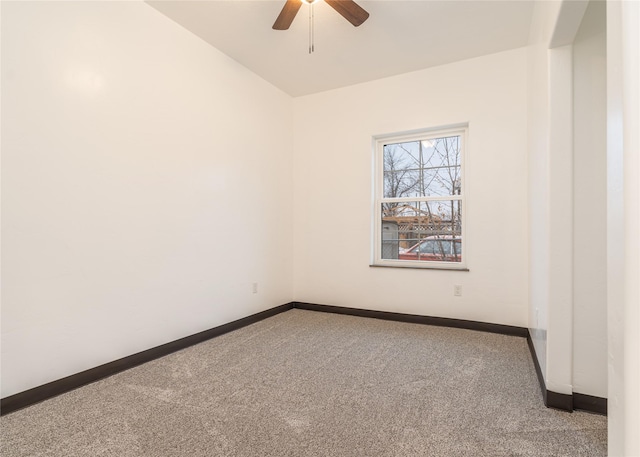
point(376, 236)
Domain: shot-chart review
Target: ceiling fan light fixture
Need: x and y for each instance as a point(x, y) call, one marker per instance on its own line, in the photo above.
point(348, 9)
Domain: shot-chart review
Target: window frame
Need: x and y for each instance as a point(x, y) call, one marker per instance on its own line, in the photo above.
point(379, 141)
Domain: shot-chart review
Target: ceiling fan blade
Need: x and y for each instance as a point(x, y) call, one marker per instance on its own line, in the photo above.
point(350, 10)
point(288, 13)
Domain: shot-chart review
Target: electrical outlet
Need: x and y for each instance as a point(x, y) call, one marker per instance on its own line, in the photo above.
point(457, 290)
point(254, 287)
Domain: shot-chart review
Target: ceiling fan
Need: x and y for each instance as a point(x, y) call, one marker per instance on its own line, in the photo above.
point(348, 9)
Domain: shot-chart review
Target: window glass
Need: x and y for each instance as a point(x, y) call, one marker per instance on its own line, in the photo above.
point(424, 168)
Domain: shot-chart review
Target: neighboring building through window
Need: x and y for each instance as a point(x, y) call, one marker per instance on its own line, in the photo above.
point(419, 199)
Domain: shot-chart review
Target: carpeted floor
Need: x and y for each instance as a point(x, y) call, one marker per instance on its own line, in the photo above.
point(305, 383)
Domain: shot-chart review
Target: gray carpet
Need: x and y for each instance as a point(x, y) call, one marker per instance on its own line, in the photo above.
point(304, 383)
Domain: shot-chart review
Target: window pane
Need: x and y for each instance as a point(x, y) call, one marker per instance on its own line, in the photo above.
point(422, 231)
point(422, 168)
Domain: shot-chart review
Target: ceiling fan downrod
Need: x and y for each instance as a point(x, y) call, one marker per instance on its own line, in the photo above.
point(312, 46)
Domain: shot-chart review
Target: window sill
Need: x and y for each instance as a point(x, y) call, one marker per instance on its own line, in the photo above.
point(426, 267)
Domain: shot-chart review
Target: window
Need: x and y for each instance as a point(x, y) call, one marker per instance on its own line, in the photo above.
point(419, 199)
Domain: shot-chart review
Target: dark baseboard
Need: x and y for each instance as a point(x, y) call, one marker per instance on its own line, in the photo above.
point(551, 399)
point(565, 402)
point(590, 403)
point(417, 319)
point(536, 364)
point(60, 386)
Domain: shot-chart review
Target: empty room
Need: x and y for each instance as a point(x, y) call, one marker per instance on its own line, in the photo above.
point(320, 228)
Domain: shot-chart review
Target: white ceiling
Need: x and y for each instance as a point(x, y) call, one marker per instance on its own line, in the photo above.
point(399, 36)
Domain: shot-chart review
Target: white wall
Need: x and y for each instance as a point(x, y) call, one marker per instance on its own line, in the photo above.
point(543, 23)
point(147, 182)
point(567, 196)
point(623, 226)
point(333, 196)
point(590, 205)
point(560, 222)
